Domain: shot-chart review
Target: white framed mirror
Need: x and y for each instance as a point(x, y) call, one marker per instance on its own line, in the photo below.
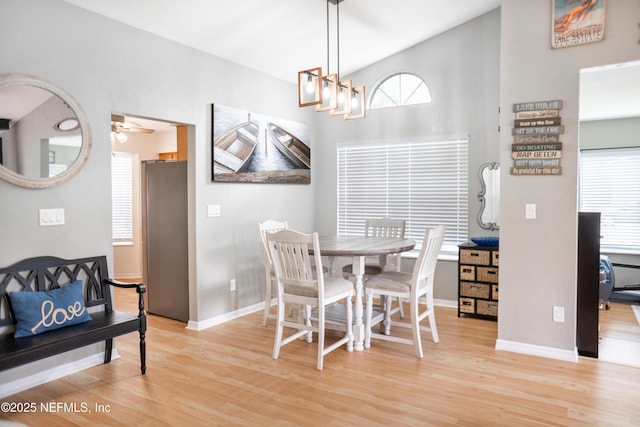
point(489, 196)
point(45, 137)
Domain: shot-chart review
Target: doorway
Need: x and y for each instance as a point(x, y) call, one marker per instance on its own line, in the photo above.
point(609, 121)
point(138, 145)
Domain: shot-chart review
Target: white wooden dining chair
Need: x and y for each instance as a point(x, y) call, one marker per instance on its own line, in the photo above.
point(413, 287)
point(298, 283)
point(269, 273)
point(382, 227)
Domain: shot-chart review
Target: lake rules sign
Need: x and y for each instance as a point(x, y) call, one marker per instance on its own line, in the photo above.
point(536, 148)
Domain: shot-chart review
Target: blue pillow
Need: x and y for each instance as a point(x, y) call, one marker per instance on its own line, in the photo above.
point(38, 312)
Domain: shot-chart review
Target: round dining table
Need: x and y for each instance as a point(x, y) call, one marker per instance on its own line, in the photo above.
point(359, 248)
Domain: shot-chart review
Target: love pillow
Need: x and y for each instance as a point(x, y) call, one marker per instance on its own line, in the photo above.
point(38, 312)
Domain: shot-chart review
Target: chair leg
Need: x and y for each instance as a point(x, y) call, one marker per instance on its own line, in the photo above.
point(401, 307)
point(415, 328)
point(347, 304)
point(320, 337)
point(279, 330)
point(432, 319)
point(267, 301)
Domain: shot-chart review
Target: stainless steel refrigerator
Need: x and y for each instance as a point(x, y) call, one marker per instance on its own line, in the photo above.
point(164, 238)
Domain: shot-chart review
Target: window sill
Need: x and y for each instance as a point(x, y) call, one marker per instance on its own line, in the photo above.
point(123, 243)
point(443, 256)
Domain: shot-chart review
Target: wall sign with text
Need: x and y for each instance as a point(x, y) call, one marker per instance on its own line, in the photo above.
point(577, 22)
point(536, 148)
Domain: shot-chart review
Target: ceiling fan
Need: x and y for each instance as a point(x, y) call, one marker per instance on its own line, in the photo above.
point(120, 125)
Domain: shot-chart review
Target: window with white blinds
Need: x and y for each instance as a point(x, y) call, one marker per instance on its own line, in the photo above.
point(426, 183)
point(610, 184)
point(122, 197)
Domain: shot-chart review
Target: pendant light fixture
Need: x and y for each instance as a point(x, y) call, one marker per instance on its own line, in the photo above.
point(326, 91)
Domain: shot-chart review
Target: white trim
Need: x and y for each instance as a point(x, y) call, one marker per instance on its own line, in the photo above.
point(194, 325)
point(53, 373)
point(129, 276)
point(445, 303)
point(537, 350)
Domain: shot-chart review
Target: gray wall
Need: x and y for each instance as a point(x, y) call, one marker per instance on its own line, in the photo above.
point(538, 257)
point(109, 67)
point(88, 55)
point(610, 133)
point(462, 69)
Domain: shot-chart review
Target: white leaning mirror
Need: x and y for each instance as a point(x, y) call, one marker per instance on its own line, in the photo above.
point(489, 196)
point(45, 137)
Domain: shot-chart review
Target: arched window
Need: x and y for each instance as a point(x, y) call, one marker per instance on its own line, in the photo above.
point(400, 89)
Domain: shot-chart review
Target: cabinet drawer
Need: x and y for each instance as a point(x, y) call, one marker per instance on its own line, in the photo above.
point(494, 292)
point(488, 308)
point(487, 274)
point(495, 258)
point(470, 256)
point(467, 272)
point(477, 290)
point(467, 305)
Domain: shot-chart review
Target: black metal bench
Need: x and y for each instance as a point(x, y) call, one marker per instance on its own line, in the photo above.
point(47, 273)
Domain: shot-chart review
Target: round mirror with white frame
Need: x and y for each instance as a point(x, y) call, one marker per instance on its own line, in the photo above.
point(45, 137)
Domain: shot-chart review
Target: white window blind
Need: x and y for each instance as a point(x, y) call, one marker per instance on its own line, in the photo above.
point(426, 183)
point(122, 196)
point(610, 184)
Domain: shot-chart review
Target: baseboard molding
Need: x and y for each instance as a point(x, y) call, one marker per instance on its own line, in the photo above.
point(58, 371)
point(223, 318)
point(538, 350)
point(129, 276)
point(445, 303)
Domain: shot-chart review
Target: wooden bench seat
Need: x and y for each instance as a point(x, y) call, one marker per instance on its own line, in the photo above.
point(47, 273)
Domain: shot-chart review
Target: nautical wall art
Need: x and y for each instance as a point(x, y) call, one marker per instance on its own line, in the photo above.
point(251, 147)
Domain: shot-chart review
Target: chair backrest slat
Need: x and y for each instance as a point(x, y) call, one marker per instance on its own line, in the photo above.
point(426, 262)
point(385, 227)
point(290, 252)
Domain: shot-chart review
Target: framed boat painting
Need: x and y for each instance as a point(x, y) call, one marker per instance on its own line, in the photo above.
point(577, 22)
point(250, 147)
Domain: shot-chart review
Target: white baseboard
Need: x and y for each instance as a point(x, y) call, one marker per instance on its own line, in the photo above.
point(223, 318)
point(218, 320)
point(538, 350)
point(445, 303)
point(59, 371)
point(129, 276)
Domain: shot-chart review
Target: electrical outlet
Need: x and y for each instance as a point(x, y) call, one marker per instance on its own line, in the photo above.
point(530, 211)
point(558, 314)
point(213, 211)
point(232, 285)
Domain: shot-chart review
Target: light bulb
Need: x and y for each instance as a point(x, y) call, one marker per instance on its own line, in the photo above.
point(326, 92)
point(310, 86)
point(354, 101)
point(340, 97)
point(121, 137)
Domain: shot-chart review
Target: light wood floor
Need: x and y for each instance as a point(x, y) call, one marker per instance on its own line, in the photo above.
point(619, 335)
point(225, 376)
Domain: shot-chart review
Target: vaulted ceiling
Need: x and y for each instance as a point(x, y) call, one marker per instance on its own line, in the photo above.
point(281, 37)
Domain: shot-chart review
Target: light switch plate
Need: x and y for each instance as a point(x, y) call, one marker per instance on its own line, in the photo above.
point(51, 217)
